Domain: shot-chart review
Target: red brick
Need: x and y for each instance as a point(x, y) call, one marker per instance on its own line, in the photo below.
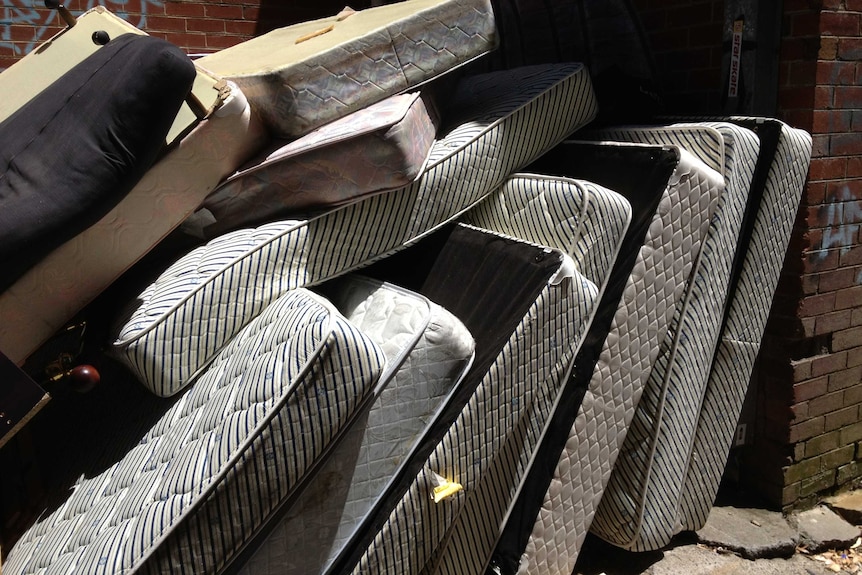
point(839, 23)
point(856, 318)
point(802, 431)
point(834, 321)
point(830, 363)
point(851, 256)
point(223, 12)
point(837, 279)
point(831, 121)
point(842, 192)
point(825, 403)
point(810, 389)
point(824, 97)
point(841, 418)
point(204, 25)
point(166, 24)
point(849, 298)
point(836, 73)
point(849, 49)
point(856, 122)
point(815, 192)
point(821, 261)
point(245, 28)
point(791, 97)
point(819, 146)
point(828, 48)
point(848, 97)
point(844, 379)
point(846, 144)
point(185, 9)
point(816, 305)
point(846, 339)
point(827, 168)
point(853, 5)
point(854, 167)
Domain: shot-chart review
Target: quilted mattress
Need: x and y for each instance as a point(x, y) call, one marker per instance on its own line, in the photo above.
point(501, 122)
point(211, 469)
point(779, 180)
point(303, 76)
point(639, 509)
point(513, 297)
point(61, 284)
point(330, 510)
point(377, 149)
point(587, 222)
point(673, 196)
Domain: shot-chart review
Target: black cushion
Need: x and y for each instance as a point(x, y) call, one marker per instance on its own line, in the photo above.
point(75, 150)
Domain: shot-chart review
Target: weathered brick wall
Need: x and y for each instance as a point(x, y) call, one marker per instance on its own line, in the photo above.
point(810, 438)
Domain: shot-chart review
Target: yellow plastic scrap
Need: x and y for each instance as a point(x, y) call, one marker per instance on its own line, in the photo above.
point(444, 488)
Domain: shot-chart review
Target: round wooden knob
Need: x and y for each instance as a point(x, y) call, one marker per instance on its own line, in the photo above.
point(83, 378)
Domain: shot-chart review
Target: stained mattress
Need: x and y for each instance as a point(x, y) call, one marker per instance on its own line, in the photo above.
point(212, 468)
point(673, 196)
point(779, 179)
point(501, 122)
point(70, 276)
point(374, 150)
point(331, 510)
point(303, 76)
point(639, 508)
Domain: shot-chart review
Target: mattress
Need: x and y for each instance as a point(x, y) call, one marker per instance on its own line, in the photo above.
point(202, 479)
point(779, 181)
point(330, 511)
point(587, 222)
point(61, 284)
point(502, 121)
point(490, 441)
point(673, 196)
point(638, 510)
point(377, 149)
point(43, 65)
point(303, 76)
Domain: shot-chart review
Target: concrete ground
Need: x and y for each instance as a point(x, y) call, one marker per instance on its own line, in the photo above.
point(749, 541)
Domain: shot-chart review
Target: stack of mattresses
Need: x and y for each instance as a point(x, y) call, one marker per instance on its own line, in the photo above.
point(87, 208)
point(667, 476)
point(673, 195)
point(640, 503)
point(489, 435)
point(506, 120)
point(333, 505)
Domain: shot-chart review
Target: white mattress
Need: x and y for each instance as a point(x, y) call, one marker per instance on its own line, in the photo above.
point(655, 286)
point(638, 510)
point(297, 85)
point(504, 121)
point(588, 223)
point(214, 466)
point(59, 286)
point(374, 150)
point(496, 412)
point(329, 511)
point(747, 312)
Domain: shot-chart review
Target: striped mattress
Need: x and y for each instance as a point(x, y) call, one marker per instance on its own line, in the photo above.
point(673, 196)
point(639, 508)
point(303, 76)
point(490, 444)
point(498, 122)
point(200, 482)
point(330, 511)
point(377, 149)
point(778, 191)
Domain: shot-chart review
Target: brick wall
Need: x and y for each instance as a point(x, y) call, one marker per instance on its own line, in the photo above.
point(810, 436)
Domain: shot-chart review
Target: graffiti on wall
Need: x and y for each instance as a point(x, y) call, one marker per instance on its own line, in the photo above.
point(24, 13)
